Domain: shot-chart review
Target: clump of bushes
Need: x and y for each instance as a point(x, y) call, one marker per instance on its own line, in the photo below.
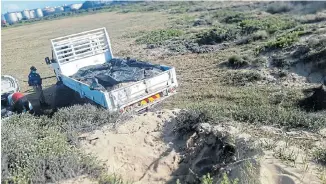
point(259, 35)
point(241, 78)
point(237, 62)
point(216, 35)
point(251, 107)
point(42, 150)
point(270, 24)
point(284, 40)
point(230, 16)
point(159, 36)
point(201, 22)
point(279, 8)
point(234, 17)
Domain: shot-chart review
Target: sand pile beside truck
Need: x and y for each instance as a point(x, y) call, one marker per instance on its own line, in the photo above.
point(116, 72)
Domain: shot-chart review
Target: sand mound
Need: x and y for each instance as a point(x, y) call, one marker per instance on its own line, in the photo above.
point(136, 150)
point(166, 146)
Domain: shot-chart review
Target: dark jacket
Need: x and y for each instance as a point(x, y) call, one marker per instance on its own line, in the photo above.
point(34, 79)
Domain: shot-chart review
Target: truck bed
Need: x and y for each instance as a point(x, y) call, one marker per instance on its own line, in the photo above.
point(116, 73)
point(131, 94)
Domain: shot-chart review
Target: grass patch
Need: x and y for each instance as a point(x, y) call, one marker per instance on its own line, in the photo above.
point(41, 150)
point(159, 36)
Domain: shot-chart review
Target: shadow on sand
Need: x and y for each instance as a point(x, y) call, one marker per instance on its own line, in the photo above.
point(56, 96)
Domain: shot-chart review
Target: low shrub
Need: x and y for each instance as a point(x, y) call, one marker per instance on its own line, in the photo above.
point(42, 150)
point(283, 73)
point(216, 35)
point(260, 112)
point(35, 152)
point(320, 155)
point(241, 78)
point(157, 37)
point(284, 40)
point(279, 8)
point(269, 24)
point(201, 22)
point(260, 35)
point(234, 17)
point(237, 62)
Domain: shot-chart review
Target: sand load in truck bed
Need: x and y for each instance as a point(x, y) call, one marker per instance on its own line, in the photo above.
point(116, 73)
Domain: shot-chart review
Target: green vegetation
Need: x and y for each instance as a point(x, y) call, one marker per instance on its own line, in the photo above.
point(320, 155)
point(241, 78)
point(230, 17)
point(159, 36)
point(279, 8)
point(216, 35)
point(226, 180)
point(207, 179)
point(271, 24)
point(237, 62)
point(284, 40)
point(40, 150)
point(258, 105)
point(106, 179)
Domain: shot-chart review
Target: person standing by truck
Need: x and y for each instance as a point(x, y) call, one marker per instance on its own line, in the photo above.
point(35, 80)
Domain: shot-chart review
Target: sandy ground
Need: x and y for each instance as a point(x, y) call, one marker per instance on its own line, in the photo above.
point(138, 150)
point(145, 149)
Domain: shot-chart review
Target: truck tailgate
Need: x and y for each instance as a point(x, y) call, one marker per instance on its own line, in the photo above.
point(147, 87)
